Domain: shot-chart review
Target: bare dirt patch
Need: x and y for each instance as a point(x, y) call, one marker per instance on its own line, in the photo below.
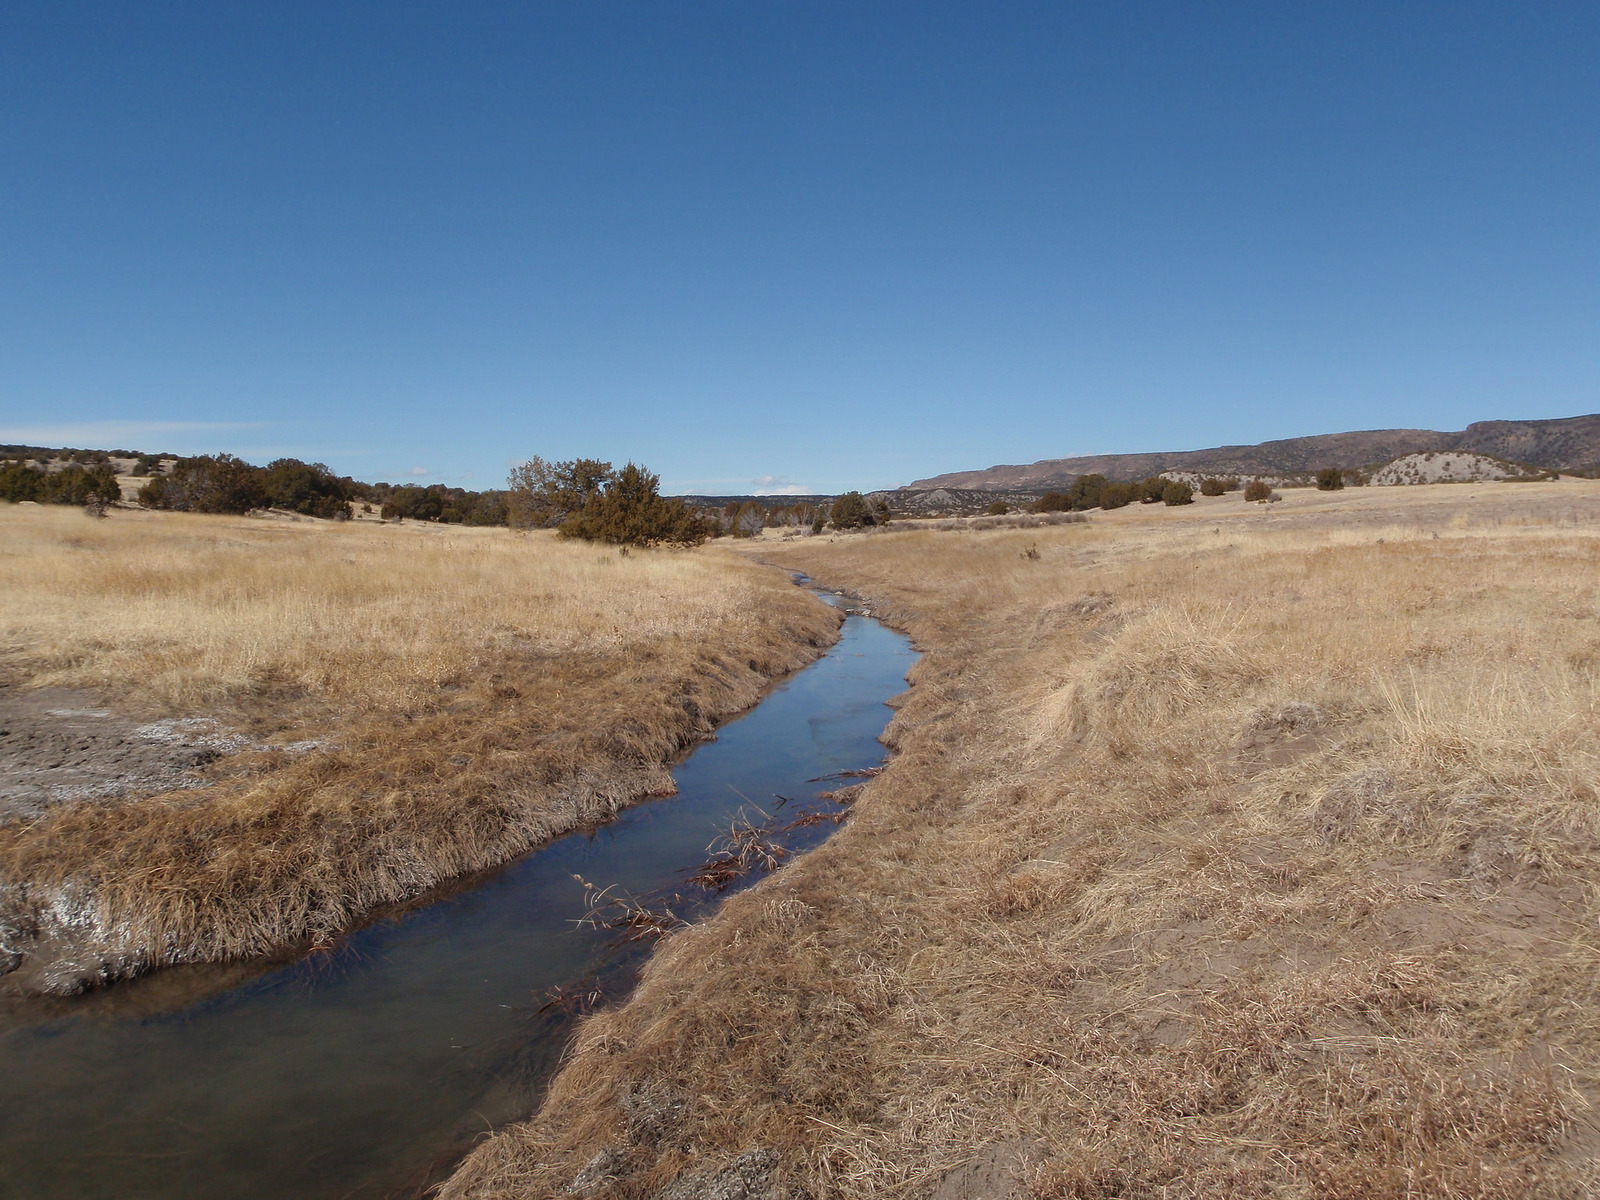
point(65, 745)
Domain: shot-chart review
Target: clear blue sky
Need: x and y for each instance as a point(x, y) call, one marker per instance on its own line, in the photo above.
point(819, 246)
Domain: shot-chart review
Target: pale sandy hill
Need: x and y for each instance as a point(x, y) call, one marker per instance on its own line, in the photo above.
point(1450, 466)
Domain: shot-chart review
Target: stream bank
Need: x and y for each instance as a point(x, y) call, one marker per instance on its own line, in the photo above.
point(367, 1069)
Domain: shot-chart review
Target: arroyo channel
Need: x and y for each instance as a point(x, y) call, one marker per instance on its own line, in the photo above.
point(367, 1069)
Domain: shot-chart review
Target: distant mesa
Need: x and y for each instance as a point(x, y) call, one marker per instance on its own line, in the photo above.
point(1565, 444)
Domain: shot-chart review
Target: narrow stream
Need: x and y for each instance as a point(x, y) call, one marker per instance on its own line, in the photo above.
point(368, 1071)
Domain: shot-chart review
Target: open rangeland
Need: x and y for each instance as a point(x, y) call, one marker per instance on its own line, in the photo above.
point(1230, 850)
point(225, 736)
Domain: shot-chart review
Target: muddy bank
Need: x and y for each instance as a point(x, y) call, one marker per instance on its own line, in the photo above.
point(105, 880)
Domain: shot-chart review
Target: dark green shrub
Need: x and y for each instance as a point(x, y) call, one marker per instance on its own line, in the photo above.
point(1052, 502)
point(19, 481)
point(308, 488)
point(1151, 490)
point(1330, 479)
point(850, 511)
point(1085, 491)
point(629, 510)
point(1212, 487)
point(77, 485)
point(1257, 490)
point(1176, 493)
point(1116, 495)
point(998, 508)
point(208, 484)
point(96, 484)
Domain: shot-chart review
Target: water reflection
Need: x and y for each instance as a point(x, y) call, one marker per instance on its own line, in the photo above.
point(365, 1071)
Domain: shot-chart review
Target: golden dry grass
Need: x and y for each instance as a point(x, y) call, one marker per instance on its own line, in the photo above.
point(187, 612)
point(1227, 853)
point(472, 693)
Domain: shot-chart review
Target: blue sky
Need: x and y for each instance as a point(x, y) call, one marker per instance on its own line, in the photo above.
point(805, 246)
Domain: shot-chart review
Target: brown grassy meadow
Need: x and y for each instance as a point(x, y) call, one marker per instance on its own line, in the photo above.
point(469, 693)
point(1228, 851)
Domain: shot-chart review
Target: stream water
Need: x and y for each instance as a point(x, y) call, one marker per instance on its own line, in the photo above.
point(367, 1071)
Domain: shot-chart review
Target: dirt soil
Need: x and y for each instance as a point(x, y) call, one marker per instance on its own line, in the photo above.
point(59, 745)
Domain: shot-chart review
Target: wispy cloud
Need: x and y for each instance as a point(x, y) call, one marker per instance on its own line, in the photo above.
point(777, 485)
point(418, 472)
point(762, 485)
point(124, 435)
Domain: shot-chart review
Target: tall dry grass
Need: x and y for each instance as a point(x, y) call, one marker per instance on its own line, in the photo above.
point(1223, 856)
point(471, 693)
point(185, 612)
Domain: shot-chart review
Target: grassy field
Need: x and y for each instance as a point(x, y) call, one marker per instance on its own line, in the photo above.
point(466, 694)
point(1229, 851)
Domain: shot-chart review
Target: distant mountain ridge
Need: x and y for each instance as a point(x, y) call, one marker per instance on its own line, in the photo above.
point(1565, 443)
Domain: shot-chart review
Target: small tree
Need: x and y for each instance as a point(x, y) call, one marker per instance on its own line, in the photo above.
point(630, 511)
point(309, 488)
point(208, 484)
point(19, 481)
point(1085, 491)
point(542, 494)
point(998, 508)
point(749, 519)
point(1116, 495)
point(1176, 493)
point(1210, 486)
point(1153, 489)
point(850, 511)
point(1330, 479)
point(1052, 502)
point(1257, 490)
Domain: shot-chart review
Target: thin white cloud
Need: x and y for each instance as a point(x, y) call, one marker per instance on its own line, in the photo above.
point(418, 472)
point(777, 485)
point(122, 435)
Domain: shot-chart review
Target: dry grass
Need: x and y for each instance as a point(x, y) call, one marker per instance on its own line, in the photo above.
point(188, 613)
point(473, 693)
point(1227, 853)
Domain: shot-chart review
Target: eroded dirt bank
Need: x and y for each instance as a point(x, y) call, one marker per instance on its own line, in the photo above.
point(1214, 861)
point(135, 842)
point(103, 886)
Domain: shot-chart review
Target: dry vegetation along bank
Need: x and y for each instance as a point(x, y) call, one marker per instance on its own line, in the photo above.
point(1226, 853)
point(400, 705)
